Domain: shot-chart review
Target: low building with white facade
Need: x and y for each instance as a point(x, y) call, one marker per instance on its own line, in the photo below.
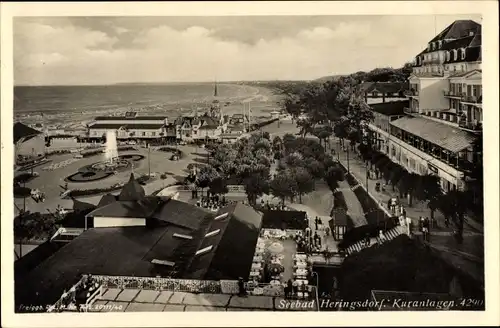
point(130, 126)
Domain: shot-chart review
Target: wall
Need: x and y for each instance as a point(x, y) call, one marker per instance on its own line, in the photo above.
point(34, 146)
point(122, 134)
point(431, 95)
point(101, 222)
point(63, 143)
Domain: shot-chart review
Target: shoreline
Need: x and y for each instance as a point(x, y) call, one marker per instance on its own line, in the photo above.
point(261, 99)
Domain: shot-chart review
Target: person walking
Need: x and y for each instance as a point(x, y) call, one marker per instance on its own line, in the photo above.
point(408, 226)
point(381, 236)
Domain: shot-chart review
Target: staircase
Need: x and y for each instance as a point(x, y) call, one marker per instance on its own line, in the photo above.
point(389, 235)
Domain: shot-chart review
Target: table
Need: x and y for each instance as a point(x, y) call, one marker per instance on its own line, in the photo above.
point(257, 258)
point(259, 251)
point(256, 266)
point(301, 256)
point(300, 272)
point(275, 261)
point(254, 274)
point(302, 281)
point(261, 245)
point(301, 265)
point(275, 282)
point(258, 291)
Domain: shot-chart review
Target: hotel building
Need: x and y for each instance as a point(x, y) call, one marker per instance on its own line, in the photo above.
point(435, 132)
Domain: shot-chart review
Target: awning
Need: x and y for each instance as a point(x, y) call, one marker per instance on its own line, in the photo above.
point(448, 137)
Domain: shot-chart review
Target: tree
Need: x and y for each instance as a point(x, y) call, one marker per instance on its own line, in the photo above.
point(304, 181)
point(255, 186)
point(315, 168)
point(457, 202)
point(218, 186)
point(431, 191)
point(333, 176)
point(205, 176)
point(283, 185)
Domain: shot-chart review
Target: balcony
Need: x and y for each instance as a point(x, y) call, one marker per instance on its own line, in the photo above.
point(471, 126)
point(411, 93)
point(472, 99)
point(453, 94)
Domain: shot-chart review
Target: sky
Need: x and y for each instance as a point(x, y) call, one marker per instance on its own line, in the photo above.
point(108, 50)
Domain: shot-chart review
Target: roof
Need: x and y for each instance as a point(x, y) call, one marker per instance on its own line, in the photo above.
point(458, 43)
point(390, 108)
point(462, 74)
point(383, 87)
point(132, 190)
point(234, 246)
point(180, 214)
point(143, 126)
point(129, 209)
point(106, 199)
point(445, 136)
point(340, 218)
point(118, 251)
point(129, 118)
point(23, 131)
point(458, 29)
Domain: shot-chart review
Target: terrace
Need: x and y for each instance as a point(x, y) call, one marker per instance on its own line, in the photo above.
point(136, 294)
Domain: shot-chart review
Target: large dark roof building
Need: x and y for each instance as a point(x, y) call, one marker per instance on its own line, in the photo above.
point(175, 239)
point(23, 132)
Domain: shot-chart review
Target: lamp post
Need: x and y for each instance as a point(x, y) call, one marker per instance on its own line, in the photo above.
point(314, 273)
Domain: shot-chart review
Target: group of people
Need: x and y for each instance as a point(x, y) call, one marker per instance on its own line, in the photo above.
point(293, 288)
point(309, 241)
point(212, 202)
point(37, 195)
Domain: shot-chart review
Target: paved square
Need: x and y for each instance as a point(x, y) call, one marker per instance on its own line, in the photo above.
point(206, 299)
point(177, 298)
point(195, 308)
point(127, 295)
point(174, 308)
point(258, 302)
point(145, 307)
point(147, 296)
point(110, 294)
point(164, 297)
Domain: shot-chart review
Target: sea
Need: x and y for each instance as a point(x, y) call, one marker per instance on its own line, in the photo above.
point(63, 105)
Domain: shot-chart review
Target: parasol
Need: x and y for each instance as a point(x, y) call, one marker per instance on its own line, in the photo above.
point(276, 247)
point(275, 268)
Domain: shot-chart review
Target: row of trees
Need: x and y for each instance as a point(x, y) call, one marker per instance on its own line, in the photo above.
point(453, 204)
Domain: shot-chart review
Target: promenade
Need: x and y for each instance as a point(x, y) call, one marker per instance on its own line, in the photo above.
point(440, 236)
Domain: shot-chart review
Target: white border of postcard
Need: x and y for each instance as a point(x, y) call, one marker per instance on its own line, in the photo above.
point(489, 12)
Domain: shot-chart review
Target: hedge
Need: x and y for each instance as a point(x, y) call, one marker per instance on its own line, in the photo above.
point(24, 177)
point(22, 191)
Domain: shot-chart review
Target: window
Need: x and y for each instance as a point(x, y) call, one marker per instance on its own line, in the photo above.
point(179, 235)
point(161, 262)
point(440, 44)
point(463, 54)
point(204, 250)
point(455, 54)
point(212, 233)
point(222, 216)
point(153, 134)
point(447, 56)
point(143, 134)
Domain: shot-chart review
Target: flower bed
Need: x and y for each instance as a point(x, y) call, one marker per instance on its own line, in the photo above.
point(90, 153)
point(96, 191)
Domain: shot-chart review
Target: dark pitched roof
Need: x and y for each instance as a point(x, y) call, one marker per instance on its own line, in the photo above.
point(143, 126)
point(23, 131)
point(129, 118)
point(106, 199)
point(445, 136)
point(132, 190)
point(233, 255)
point(107, 251)
point(390, 108)
point(180, 214)
point(458, 29)
point(143, 208)
point(458, 43)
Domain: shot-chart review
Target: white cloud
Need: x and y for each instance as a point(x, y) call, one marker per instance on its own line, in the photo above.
point(77, 55)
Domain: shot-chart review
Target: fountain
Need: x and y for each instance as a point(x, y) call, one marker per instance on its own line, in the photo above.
point(111, 151)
